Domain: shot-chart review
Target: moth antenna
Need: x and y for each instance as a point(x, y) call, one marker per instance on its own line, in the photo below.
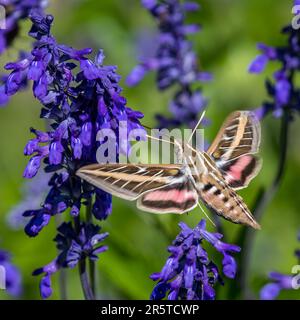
point(206, 214)
point(176, 142)
point(197, 125)
point(159, 139)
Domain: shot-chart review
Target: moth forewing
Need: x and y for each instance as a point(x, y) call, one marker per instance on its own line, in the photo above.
point(239, 135)
point(131, 181)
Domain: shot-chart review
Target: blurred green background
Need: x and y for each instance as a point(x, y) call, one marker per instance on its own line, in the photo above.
point(138, 240)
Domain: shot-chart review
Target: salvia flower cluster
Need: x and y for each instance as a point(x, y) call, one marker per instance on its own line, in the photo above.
point(280, 281)
point(79, 96)
point(174, 62)
point(189, 273)
point(74, 246)
point(78, 105)
point(12, 275)
point(284, 94)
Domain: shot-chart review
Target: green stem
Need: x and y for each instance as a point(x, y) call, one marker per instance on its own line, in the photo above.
point(62, 282)
point(92, 269)
point(86, 288)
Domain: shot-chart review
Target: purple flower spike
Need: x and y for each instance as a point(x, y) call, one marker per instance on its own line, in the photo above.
point(283, 95)
point(188, 273)
point(79, 96)
point(73, 247)
point(174, 62)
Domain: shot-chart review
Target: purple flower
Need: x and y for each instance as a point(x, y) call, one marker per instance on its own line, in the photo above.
point(258, 64)
point(174, 62)
point(281, 282)
point(73, 245)
point(32, 167)
point(39, 219)
point(189, 274)
point(282, 91)
point(13, 276)
point(45, 283)
point(103, 205)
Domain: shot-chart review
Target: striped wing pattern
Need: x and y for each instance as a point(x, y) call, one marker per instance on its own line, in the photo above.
point(159, 188)
point(234, 147)
point(239, 135)
point(129, 181)
point(217, 195)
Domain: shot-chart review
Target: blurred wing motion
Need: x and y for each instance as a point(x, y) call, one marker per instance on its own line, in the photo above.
point(158, 188)
point(233, 149)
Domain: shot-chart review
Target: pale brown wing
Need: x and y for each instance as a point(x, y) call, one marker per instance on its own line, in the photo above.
point(222, 199)
point(233, 149)
point(129, 181)
point(239, 135)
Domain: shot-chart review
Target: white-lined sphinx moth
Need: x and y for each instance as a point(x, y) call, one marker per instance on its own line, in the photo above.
point(229, 164)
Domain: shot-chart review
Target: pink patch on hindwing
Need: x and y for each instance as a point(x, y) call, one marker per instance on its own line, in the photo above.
point(235, 171)
point(174, 195)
